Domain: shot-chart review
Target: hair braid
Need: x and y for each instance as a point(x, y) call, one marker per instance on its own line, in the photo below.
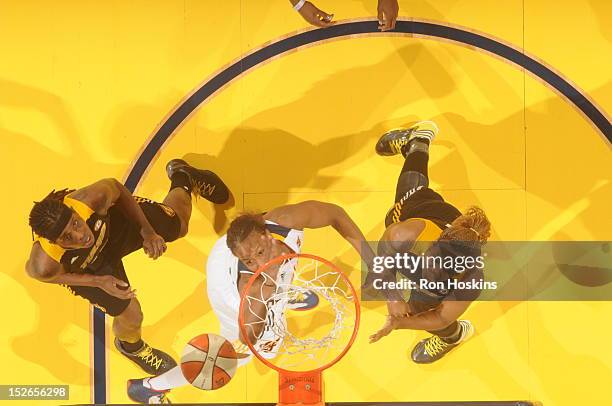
point(473, 225)
point(46, 213)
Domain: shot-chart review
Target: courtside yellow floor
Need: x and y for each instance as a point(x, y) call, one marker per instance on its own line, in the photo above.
point(84, 85)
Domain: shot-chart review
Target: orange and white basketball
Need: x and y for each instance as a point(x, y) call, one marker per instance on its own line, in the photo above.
point(209, 361)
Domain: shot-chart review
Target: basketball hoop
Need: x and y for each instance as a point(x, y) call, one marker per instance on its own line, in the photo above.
point(300, 345)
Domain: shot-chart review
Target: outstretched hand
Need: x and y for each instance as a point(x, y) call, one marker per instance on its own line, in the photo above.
point(315, 16)
point(115, 287)
point(388, 327)
point(387, 14)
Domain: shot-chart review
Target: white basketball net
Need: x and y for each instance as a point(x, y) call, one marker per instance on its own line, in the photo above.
point(307, 339)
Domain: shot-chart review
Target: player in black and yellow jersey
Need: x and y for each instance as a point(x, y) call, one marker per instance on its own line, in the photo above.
point(82, 235)
point(420, 216)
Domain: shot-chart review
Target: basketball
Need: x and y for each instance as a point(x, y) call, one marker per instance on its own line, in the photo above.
point(209, 361)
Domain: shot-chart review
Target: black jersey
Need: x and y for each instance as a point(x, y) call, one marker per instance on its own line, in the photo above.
point(115, 235)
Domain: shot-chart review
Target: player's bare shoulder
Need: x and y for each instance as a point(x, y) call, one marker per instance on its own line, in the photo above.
point(40, 265)
point(287, 215)
point(99, 195)
point(306, 214)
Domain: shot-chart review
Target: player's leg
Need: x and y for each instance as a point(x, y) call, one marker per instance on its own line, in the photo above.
point(185, 180)
point(145, 388)
point(127, 323)
point(180, 201)
point(154, 389)
point(222, 292)
point(127, 327)
point(224, 299)
point(413, 143)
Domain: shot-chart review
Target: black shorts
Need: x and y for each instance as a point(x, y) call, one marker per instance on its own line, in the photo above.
point(124, 239)
point(422, 202)
point(111, 305)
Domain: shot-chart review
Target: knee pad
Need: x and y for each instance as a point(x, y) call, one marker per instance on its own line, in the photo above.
point(412, 180)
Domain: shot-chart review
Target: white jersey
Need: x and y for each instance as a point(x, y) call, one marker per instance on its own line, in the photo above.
point(222, 272)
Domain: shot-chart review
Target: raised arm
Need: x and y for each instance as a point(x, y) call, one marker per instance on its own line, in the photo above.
point(315, 214)
point(312, 14)
point(100, 196)
point(387, 14)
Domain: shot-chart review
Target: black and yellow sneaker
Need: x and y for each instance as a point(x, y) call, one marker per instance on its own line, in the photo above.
point(151, 360)
point(203, 183)
point(433, 348)
point(392, 142)
point(140, 392)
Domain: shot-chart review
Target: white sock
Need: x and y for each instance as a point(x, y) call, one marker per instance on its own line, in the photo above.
point(168, 380)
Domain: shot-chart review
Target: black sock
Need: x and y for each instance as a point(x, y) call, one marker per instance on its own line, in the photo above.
point(413, 146)
point(414, 173)
point(180, 179)
point(132, 347)
point(416, 161)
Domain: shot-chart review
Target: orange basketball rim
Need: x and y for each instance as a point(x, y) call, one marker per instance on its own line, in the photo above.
point(304, 344)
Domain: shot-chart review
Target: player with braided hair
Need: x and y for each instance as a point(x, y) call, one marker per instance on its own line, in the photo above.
point(81, 236)
point(48, 211)
point(421, 218)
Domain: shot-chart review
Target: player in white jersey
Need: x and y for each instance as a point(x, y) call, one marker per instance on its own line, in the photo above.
point(225, 270)
point(251, 241)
